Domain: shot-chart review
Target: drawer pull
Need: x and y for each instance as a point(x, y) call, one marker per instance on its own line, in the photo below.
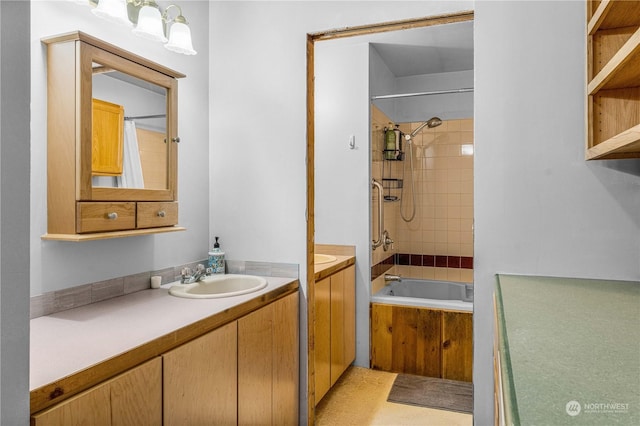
point(162, 213)
point(112, 216)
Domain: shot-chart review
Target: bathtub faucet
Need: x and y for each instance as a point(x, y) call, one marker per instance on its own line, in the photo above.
point(388, 277)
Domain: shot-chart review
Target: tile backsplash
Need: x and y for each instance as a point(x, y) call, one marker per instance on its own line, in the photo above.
point(74, 297)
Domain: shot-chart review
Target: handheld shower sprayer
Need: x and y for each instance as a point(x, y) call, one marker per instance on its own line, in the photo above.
point(430, 123)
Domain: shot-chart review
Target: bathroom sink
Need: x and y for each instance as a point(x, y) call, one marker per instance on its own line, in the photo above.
point(219, 286)
point(323, 258)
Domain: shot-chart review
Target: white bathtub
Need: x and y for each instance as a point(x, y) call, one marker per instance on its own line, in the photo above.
point(428, 294)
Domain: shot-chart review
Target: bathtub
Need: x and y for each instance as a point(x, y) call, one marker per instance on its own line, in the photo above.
point(427, 294)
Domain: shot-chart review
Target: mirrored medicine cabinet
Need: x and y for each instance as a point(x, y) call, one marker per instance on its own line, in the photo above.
point(112, 141)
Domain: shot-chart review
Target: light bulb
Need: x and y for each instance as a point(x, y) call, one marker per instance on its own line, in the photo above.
point(114, 11)
point(180, 39)
point(150, 24)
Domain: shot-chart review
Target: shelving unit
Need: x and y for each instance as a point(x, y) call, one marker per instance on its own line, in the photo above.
point(613, 79)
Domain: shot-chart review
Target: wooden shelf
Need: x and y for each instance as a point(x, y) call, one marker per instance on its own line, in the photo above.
point(622, 145)
point(115, 234)
point(613, 14)
point(613, 79)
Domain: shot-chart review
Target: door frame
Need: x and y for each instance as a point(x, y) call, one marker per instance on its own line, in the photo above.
point(313, 38)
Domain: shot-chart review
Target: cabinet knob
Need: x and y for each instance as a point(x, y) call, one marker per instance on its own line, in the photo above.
point(176, 140)
point(112, 216)
point(162, 213)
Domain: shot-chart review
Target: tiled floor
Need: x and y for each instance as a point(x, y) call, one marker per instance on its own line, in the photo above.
point(359, 398)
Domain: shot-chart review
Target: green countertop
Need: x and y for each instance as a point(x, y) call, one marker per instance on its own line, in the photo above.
point(570, 350)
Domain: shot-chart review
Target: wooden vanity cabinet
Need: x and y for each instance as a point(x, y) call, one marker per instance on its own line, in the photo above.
point(268, 364)
point(245, 372)
point(132, 398)
point(79, 150)
point(334, 332)
point(200, 379)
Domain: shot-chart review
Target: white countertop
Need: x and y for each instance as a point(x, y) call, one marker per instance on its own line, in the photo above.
point(70, 341)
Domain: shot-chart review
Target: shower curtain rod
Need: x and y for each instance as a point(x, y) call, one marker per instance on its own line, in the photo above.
point(408, 95)
point(143, 117)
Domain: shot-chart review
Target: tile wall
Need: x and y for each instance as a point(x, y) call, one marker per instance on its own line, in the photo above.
point(438, 242)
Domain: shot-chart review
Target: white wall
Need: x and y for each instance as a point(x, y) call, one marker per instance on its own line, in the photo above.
point(57, 265)
point(258, 122)
point(453, 106)
point(342, 174)
point(540, 209)
point(450, 106)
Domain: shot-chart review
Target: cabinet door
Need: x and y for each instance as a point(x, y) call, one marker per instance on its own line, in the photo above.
point(136, 396)
point(337, 326)
point(349, 277)
point(322, 338)
point(88, 408)
point(286, 368)
point(132, 398)
point(268, 364)
point(457, 346)
point(200, 380)
point(108, 136)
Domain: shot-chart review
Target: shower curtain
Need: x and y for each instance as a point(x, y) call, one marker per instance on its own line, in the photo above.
point(131, 166)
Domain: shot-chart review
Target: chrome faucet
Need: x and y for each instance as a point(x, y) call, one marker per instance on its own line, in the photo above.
point(388, 277)
point(188, 276)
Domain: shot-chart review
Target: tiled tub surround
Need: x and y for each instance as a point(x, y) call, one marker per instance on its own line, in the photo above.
point(438, 242)
point(74, 297)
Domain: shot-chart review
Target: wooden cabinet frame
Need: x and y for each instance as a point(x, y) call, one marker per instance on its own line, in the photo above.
point(613, 79)
point(70, 59)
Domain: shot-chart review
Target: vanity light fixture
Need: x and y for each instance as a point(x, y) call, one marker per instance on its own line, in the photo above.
point(148, 21)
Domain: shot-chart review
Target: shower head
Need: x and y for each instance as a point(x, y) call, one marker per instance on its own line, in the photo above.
point(430, 123)
point(434, 122)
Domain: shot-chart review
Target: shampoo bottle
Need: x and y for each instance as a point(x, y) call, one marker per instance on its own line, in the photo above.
point(216, 259)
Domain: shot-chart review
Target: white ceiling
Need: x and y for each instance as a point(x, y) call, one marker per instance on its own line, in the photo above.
point(429, 50)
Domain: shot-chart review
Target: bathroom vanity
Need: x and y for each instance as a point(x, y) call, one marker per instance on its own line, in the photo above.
point(335, 321)
point(149, 358)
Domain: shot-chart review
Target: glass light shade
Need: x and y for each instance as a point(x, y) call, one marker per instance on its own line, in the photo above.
point(114, 11)
point(180, 39)
point(150, 24)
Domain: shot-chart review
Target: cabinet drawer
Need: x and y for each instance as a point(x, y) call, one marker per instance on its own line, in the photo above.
point(152, 215)
point(97, 217)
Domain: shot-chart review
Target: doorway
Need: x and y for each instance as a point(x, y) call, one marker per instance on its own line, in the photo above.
point(359, 145)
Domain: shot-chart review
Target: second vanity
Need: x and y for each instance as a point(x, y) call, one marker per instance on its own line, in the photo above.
point(169, 358)
point(335, 315)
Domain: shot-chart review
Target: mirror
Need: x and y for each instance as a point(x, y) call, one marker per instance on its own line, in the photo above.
point(129, 131)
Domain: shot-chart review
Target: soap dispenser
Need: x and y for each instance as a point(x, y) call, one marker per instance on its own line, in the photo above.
point(216, 258)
